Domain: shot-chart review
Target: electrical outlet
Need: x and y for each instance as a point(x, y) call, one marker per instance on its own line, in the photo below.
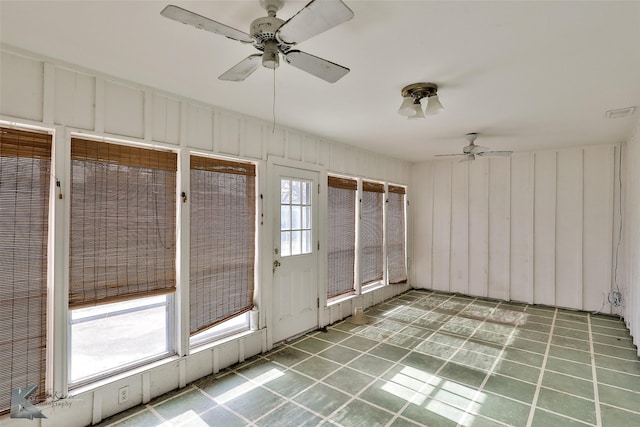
point(123, 394)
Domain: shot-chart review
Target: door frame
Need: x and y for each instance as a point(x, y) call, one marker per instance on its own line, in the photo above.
point(269, 207)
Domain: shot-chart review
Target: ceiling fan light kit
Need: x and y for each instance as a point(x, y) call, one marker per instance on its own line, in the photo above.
point(418, 95)
point(274, 36)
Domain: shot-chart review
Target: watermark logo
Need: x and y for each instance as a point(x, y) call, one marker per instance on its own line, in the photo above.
point(21, 407)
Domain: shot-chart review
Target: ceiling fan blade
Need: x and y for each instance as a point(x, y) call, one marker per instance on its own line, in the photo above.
point(243, 69)
point(449, 155)
point(326, 70)
point(495, 153)
point(478, 149)
point(186, 17)
point(316, 17)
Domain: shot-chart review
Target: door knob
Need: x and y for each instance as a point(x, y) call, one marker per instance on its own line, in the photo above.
point(276, 264)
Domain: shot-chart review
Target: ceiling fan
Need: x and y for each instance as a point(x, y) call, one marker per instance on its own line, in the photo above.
point(472, 150)
point(273, 36)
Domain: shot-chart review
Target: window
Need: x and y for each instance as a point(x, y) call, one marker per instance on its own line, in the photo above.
point(122, 250)
point(396, 264)
point(295, 217)
point(25, 168)
point(371, 261)
point(341, 228)
point(223, 216)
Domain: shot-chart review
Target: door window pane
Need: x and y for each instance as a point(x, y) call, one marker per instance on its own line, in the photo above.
point(295, 217)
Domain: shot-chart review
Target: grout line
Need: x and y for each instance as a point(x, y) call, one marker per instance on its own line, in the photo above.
point(596, 397)
point(534, 402)
point(478, 392)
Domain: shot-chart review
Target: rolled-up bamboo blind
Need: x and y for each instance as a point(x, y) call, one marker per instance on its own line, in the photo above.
point(222, 230)
point(123, 223)
point(341, 230)
point(25, 168)
point(396, 264)
point(371, 261)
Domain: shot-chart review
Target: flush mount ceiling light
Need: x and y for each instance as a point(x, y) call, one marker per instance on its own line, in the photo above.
point(419, 95)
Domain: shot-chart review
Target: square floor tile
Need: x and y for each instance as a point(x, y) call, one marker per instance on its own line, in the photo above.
point(348, 380)
point(288, 356)
point(621, 365)
point(340, 354)
point(542, 337)
point(571, 333)
point(616, 417)
point(523, 356)
point(542, 418)
point(619, 397)
point(316, 367)
point(567, 384)
point(220, 416)
point(570, 354)
point(359, 343)
point(570, 343)
point(288, 415)
point(463, 374)
point(615, 351)
point(289, 384)
point(619, 379)
point(334, 335)
point(361, 414)
point(254, 403)
point(217, 386)
point(572, 406)
point(473, 359)
point(322, 399)
point(137, 418)
point(510, 387)
point(371, 365)
point(518, 371)
point(389, 395)
point(192, 400)
point(433, 413)
point(501, 409)
point(562, 366)
point(389, 352)
point(423, 362)
point(260, 367)
point(312, 345)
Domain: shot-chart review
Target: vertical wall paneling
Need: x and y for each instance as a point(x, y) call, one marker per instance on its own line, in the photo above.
point(479, 227)
point(597, 230)
point(459, 266)
point(422, 218)
point(275, 141)
point(294, 146)
point(337, 158)
point(252, 136)
point(324, 154)
point(21, 93)
point(123, 110)
point(74, 99)
point(199, 128)
point(499, 227)
point(629, 255)
point(521, 274)
point(309, 150)
point(100, 105)
point(48, 93)
point(228, 134)
point(441, 255)
point(544, 238)
point(147, 112)
point(165, 119)
point(569, 229)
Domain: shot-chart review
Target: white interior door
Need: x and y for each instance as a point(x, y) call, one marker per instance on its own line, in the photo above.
point(295, 252)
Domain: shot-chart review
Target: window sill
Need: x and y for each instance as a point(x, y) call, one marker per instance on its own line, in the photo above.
point(372, 287)
point(212, 344)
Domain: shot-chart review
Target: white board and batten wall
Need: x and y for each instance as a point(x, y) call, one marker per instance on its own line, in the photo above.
point(629, 266)
point(67, 99)
point(535, 227)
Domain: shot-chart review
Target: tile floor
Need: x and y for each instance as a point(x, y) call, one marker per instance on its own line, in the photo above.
point(427, 359)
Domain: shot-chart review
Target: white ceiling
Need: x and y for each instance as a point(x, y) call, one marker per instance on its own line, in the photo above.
point(525, 75)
